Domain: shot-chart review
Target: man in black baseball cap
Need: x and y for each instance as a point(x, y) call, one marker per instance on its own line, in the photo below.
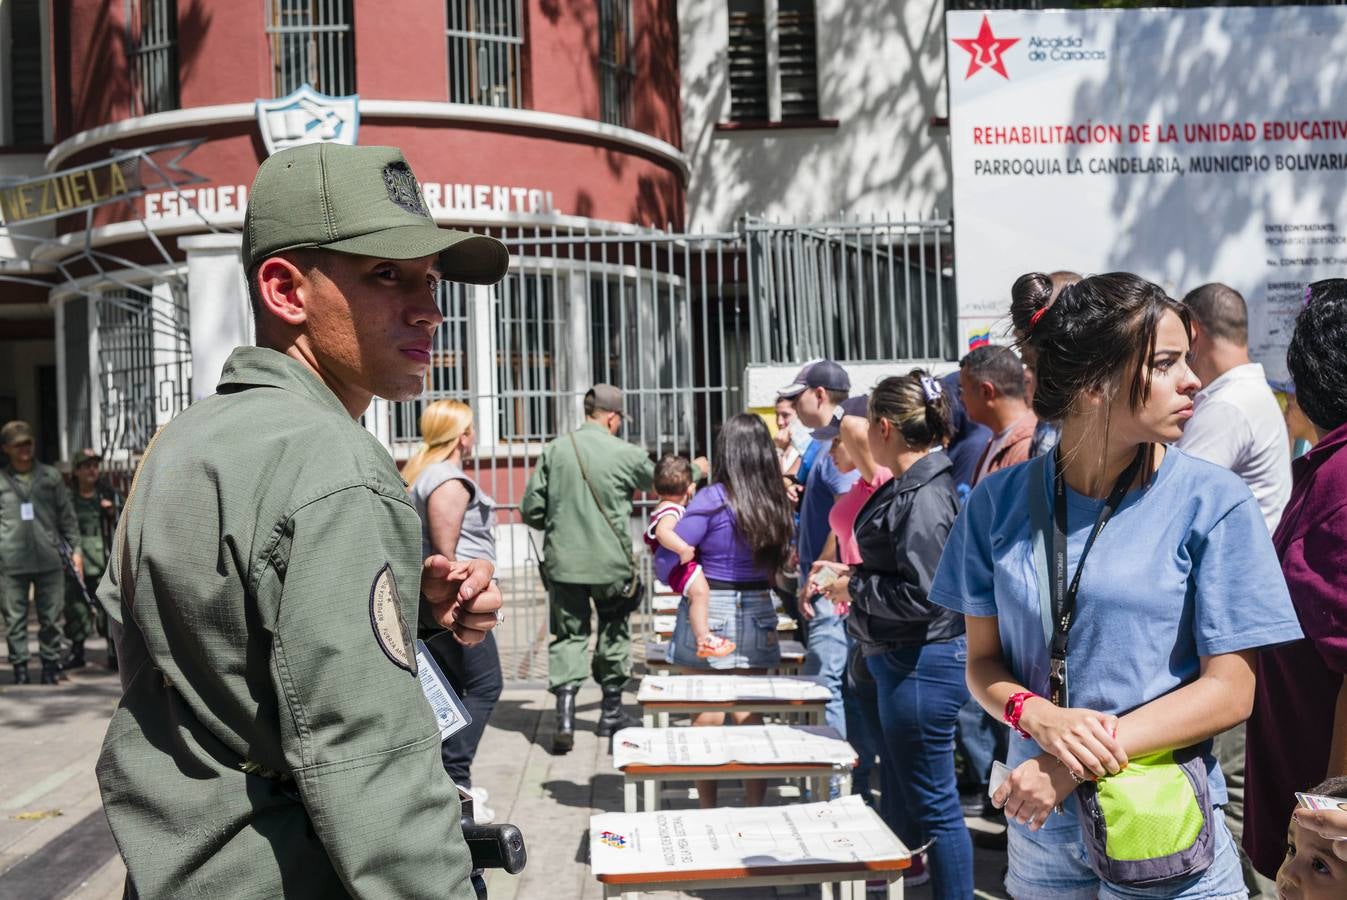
point(817, 390)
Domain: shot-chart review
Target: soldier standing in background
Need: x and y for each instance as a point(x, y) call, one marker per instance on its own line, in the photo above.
point(35, 515)
point(96, 510)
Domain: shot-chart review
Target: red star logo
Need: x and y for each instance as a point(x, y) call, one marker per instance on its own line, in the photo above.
point(985, 50)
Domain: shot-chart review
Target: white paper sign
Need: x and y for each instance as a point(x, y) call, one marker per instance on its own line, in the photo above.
point(730, 688)
point(841, 831)
point(718, 745)
point(1186, 146)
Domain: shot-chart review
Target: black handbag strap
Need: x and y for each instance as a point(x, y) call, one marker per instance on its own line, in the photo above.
point(625, 544)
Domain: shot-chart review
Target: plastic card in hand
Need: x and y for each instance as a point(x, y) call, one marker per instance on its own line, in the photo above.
point(1319, 801)
point(824, 577)
point(1000, 772)
point(450, 714)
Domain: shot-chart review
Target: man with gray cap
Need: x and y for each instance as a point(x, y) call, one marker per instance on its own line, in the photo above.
point(579, 495)
point(35, 515)
point(266, 576)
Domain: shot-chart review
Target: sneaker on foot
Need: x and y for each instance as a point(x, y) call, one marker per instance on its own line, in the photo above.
point(713, 646)
point(481, 813)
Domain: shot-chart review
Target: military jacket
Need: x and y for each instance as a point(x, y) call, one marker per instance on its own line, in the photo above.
point(273, 739)
point(29, 546)
point(89, 513)
point(579, 546)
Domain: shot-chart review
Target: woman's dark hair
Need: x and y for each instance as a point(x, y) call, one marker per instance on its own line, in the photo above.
point(1317, 357)
point(1095, 334)
point(747, 466)
point(917, 405)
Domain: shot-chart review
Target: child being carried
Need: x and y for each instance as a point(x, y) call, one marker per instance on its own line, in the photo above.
point(675, 487)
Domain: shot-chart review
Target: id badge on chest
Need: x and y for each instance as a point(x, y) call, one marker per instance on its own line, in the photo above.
point(450, 714)
point(26, 513)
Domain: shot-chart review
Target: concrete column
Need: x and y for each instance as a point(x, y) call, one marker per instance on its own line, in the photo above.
point(575, 346)
point(217, 302)
point(483, 390)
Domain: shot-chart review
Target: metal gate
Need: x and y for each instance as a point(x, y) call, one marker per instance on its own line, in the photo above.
point(672, 319)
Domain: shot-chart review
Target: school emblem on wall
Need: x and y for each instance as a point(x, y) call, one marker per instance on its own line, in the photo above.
point(307, 117)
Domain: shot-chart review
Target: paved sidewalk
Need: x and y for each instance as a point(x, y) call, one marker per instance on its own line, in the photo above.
point(54, 840)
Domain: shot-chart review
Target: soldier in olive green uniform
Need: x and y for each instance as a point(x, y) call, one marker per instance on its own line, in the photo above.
point(584, 557)
point(96, 512)
point(35, 514)
point(273, 739)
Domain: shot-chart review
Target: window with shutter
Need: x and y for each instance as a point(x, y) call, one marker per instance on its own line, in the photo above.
point(27, 109)
point(748, 61)
point(485, 38)
point(798, 55)
point(312, 42)
point(153, 54)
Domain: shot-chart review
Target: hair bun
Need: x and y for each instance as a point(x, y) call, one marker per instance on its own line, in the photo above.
point(1030, 298)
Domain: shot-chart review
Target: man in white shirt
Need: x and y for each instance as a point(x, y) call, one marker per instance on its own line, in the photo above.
point(1236, 421)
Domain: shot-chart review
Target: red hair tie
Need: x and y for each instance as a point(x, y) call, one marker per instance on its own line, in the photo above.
point(1038, 314)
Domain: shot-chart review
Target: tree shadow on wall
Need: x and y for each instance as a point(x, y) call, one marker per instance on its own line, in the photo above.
point(885, 139)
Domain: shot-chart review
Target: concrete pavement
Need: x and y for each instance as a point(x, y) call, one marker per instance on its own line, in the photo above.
point(54, 840)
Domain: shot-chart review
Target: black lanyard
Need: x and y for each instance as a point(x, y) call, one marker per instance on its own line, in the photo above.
point(1064, 597)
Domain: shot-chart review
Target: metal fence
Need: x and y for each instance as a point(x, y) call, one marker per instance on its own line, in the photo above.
point(485, 38)
point(674, 320)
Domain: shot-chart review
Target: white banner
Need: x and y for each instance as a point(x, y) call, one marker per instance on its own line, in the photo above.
point(1186, 146)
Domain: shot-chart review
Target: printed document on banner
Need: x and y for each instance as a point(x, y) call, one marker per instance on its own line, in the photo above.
point(718, 745)
point(731, 688)
point(841, 831)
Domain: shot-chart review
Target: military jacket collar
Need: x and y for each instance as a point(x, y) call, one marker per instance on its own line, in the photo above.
point(263, 367)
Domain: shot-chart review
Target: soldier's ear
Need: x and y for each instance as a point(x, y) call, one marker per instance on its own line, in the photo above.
point(282, 288)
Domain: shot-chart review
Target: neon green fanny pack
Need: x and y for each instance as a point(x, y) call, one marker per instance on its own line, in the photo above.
point(1152, 821)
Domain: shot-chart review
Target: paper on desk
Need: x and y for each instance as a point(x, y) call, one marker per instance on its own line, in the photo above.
point(729, 688)
point(840, 831)
point(665, 622)
point(718, 745)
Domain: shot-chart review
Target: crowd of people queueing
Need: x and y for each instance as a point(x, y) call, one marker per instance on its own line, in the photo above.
point(1084, 564)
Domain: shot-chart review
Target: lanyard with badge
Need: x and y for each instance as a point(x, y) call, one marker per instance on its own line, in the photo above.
point(1064, 596)
point(27, 512)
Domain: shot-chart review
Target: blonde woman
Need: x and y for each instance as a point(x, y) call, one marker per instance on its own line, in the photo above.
point(456, 520)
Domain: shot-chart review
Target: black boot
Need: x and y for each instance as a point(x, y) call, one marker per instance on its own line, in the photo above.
point(51, 672)
point(76, 658)
point(563, 739)
point(21, 673)
point(613, 717)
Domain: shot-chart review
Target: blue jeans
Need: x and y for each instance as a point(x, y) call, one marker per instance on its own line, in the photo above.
point(826, 655)
point(1041, 871)
point(920, 691)
point(862, 714)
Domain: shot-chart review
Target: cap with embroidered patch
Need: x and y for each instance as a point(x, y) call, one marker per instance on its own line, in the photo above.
point(822, 373)
point(364, 201)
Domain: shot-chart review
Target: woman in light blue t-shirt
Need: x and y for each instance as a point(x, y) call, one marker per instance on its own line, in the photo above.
point(1178, 590)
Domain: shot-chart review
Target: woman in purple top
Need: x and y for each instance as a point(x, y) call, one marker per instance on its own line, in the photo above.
point(741, 527)
point(1297, 736)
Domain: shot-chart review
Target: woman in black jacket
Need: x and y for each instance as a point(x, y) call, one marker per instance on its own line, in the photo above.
point(915, 649)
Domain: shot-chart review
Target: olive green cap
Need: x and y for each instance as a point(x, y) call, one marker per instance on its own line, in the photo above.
point(364, 201)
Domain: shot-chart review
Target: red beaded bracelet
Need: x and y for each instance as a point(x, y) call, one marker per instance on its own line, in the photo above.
point(1015, 708)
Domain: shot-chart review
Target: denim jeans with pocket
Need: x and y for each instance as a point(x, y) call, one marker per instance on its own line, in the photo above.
point(826, 655)
point(920, 692)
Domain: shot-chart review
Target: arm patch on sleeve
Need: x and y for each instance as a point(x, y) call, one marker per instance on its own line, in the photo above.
point(390, 626)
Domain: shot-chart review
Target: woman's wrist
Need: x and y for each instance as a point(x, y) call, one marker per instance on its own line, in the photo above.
point(1020, 711)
